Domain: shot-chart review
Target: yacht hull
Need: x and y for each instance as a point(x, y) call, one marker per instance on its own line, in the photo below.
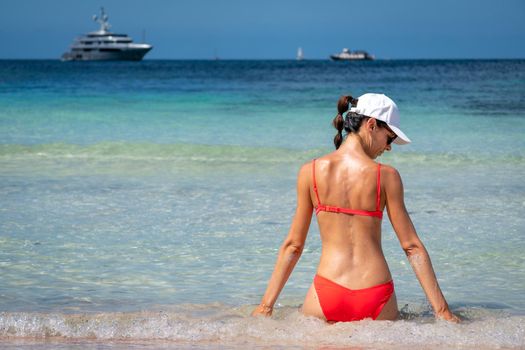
point(337, 58)
point(107, 54)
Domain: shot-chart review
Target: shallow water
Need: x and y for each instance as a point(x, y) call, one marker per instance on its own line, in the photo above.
point(145, 202)
point(217, 326)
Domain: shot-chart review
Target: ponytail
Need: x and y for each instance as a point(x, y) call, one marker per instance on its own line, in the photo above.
point(343, 105)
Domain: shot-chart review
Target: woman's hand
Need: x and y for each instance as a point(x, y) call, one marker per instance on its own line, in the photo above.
point(262, 310)
point(447, 315)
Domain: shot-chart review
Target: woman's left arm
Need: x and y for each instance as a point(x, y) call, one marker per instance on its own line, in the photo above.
point(414, 249)
point(293, 245)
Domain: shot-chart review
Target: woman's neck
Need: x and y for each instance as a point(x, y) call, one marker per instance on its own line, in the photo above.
point(354, 145)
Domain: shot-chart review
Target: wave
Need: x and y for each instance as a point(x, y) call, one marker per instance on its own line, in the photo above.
point(218, 153)
point(150, 159)
point(152, 151)
point(220, 324)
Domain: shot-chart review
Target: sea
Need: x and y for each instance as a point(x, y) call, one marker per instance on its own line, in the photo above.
point(142, 204)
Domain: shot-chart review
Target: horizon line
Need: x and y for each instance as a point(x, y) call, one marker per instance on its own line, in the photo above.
point(278, 59)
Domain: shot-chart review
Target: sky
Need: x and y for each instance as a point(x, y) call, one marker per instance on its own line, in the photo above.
point(273, 29)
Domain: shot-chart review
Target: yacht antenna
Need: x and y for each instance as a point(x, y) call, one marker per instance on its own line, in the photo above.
point(103, 20)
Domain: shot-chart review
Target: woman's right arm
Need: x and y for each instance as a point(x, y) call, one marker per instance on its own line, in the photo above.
point(293, 245)
point(414, 249)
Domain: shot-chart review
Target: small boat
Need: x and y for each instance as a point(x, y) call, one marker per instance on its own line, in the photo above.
point(300, 55)
point(347, 55)
point(104, 45)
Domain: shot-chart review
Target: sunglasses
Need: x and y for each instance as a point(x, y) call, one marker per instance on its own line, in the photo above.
point(390, 138)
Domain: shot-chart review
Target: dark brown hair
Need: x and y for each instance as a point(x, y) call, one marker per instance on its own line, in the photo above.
point(352, 122)
point(339, 123)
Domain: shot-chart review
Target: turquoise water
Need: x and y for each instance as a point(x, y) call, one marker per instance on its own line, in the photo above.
point(157, 193)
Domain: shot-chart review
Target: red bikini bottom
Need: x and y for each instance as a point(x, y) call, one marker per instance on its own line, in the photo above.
point(341, 304)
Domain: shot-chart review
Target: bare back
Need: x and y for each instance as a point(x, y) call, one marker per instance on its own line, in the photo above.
point(351, 244)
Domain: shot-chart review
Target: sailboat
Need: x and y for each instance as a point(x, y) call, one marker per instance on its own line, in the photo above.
point(300, 55)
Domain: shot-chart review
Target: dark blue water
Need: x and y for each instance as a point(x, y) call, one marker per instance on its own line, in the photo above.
point(236, 102)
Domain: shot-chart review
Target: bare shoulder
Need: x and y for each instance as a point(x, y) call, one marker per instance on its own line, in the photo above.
point(390, 174)
point(306, 169)
point(304, 175)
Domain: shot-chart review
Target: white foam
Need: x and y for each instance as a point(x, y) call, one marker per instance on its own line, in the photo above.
point(215, 324)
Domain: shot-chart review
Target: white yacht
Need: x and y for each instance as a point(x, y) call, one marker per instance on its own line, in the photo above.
point(103, 45)
point(347, 55)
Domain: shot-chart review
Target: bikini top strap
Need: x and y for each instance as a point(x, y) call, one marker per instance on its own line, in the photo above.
point(315, 184)
point(378, 197)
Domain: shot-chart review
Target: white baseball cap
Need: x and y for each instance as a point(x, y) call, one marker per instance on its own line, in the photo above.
point(381, 107)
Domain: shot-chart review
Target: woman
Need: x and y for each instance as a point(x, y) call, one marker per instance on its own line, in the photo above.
point(349, 192)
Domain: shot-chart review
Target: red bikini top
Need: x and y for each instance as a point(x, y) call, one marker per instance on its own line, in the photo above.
point(377, 213)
